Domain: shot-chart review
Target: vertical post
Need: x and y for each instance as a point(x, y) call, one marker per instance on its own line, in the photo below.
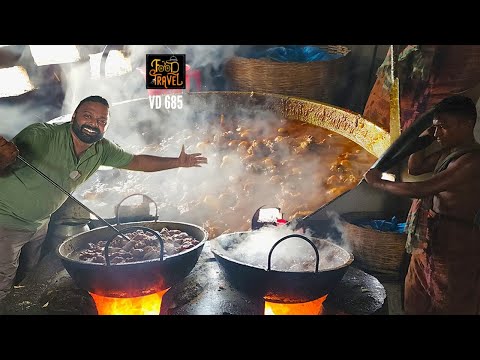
point(394, 96)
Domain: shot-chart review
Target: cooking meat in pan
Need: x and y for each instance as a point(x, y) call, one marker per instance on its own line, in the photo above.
point(141, 246)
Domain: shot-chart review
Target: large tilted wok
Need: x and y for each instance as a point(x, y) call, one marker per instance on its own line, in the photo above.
point(363, 195)
point(135, 278)
point(275, 285)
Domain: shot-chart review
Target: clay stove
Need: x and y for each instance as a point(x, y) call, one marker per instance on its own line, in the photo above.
point(49, 290)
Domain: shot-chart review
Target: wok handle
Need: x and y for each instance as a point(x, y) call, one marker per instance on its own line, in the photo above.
point(156, 233)
point(396, 152)
point(255, 224)
point(290, 236)
point(117, 208)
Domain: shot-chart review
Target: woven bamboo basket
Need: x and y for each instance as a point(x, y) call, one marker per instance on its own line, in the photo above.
point(318, 80)
point(374, 250)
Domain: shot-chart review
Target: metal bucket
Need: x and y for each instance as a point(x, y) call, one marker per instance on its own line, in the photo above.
point(61, 229)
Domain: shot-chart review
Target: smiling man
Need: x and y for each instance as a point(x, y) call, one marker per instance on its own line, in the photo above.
point(69, 154)
point(444, 219)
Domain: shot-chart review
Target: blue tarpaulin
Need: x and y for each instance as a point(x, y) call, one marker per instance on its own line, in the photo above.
point(383, 225)
point(295, 53)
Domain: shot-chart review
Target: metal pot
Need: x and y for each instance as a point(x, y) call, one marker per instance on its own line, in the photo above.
point(279, 286)
point(61, 229)
point(135, 278)
point(65, 228)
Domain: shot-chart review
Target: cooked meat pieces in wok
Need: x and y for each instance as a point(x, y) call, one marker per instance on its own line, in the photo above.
point(143, 245)
point(252, 161)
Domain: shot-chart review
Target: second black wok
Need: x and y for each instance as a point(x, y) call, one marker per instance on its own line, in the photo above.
point(276, 285)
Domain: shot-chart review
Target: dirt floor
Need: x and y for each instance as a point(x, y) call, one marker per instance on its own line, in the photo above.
point(394, 298)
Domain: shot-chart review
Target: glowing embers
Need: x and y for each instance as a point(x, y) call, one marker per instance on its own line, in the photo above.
point(142, 305)
point(314, 307)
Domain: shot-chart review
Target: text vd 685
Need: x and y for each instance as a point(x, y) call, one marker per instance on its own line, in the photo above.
point(174, 101)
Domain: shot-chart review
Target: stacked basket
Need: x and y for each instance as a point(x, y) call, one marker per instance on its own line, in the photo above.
point(374, 250)
point(318, 80)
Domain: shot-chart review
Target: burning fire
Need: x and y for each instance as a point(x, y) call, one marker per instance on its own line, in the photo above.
point(314, 307)
point(142, 305)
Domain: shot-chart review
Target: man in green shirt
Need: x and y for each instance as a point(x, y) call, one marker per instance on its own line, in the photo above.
point(69, 154)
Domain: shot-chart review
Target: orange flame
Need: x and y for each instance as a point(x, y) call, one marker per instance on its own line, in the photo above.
point(142, 305)
point(314, 307)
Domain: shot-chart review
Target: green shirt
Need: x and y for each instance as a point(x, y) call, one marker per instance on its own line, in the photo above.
point(26, 198)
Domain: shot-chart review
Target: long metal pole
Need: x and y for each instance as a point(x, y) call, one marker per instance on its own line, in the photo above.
point(395, 127)
point(71, 197)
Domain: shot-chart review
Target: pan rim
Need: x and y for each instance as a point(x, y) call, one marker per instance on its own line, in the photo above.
point(127, 264)
point(215, 252)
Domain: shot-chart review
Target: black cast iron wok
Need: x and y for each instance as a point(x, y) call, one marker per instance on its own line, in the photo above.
point(135, 278)
point(275, 285)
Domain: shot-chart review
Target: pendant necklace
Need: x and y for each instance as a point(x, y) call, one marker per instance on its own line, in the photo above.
point(75, 174)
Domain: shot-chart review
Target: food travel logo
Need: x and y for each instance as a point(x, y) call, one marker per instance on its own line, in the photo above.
point(165, 71)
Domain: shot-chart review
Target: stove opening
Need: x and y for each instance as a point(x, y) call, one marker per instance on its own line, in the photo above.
point(313, 307)
point(141, 305)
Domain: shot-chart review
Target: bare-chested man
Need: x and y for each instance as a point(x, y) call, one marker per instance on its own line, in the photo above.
point(444, 220)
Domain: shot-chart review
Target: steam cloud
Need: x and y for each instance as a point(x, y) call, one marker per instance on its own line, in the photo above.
point(293, 254)
point(195, 193)
point(160, 133)
point(69, 83)
point(336, 222)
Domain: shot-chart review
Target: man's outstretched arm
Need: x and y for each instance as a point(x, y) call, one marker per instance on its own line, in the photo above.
point(150, 163)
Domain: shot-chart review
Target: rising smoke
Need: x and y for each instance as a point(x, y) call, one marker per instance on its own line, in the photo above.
point(286, 247)
point(337, 224)
point(194, 195)
point(202, 192)
point(59, 87)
